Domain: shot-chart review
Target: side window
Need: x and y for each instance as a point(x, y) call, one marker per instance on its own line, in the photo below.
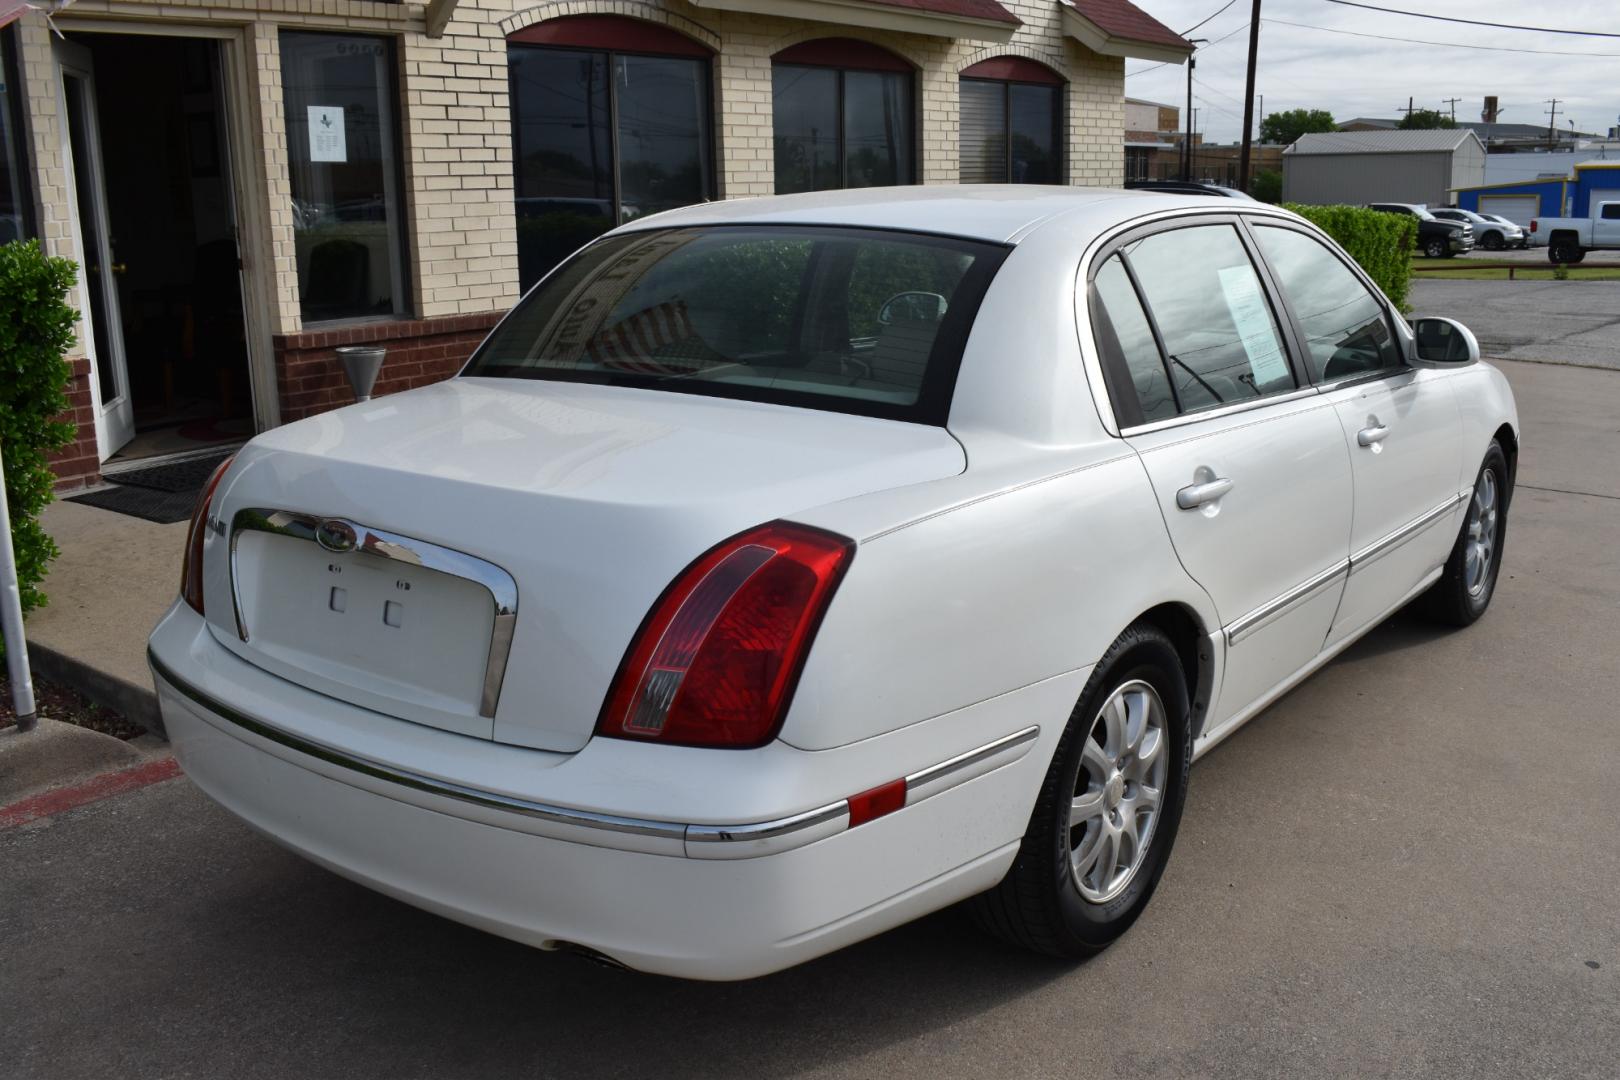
point(1346, 329)
point(1611, 211)
point(1220, 336)
point(1126, 340)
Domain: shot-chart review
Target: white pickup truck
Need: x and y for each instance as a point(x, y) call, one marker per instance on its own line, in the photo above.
point(1569, 239)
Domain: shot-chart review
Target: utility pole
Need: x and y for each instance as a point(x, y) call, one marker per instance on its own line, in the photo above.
point(1552, 118)
point(1248, 98)
point(1409, 110)
point(1453, 103)
point(1186, 149)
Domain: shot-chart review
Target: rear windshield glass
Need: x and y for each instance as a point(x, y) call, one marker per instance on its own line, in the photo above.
point(852, 320)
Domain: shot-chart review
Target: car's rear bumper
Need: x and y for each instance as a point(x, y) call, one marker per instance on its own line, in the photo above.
point(700, 900)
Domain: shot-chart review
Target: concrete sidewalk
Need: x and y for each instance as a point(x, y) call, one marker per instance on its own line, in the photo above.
point(116, 576)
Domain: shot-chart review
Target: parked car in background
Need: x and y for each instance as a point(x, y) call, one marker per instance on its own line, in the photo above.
point(1436, 238)
point(1490, 233)
point(1187, 187)
point(781, 570)
point(1569, 239)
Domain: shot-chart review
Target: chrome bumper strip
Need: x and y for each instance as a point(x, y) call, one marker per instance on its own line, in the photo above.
point(744, 841)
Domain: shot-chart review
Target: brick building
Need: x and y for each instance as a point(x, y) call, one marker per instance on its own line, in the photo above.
point(248, 184)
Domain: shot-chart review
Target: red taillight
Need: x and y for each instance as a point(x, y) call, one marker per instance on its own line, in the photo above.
point(717, 658)
point(1533, 223)
point(191, 565)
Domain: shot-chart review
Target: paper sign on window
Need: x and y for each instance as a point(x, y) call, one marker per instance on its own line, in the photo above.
point(326, 142)
point(1253, 321)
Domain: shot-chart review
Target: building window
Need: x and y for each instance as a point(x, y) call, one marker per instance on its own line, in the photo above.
point(1138, 161)
point(343, 155)
point(843, 117)
point(1011, 123)
point(611, 120)
point(16, 205)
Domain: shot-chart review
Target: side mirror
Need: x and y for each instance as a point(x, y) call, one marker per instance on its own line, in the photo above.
point(926, 307)
point(1445, 341)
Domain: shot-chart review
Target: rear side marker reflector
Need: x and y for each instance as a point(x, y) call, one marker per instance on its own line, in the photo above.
point(875, 802)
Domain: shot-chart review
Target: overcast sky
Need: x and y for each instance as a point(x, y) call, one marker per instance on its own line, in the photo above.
point(1358, 76)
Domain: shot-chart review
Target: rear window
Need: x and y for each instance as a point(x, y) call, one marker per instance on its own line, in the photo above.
point(853, 320)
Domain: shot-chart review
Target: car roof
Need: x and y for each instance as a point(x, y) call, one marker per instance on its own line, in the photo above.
point(1001, 213)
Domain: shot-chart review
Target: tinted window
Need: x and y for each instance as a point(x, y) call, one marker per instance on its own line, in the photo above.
point(1611, 211)
point(1346, 330)
point(1009, 133)
point(837, 128)
point(343, 158)
point(1218, 329)
point(567, 106)
point(1126, 338)
point(843, 319)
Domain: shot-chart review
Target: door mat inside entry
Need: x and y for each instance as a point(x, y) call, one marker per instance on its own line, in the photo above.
point(162, 493)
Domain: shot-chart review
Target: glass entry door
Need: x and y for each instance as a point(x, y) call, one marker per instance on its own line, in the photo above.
point(101, 333)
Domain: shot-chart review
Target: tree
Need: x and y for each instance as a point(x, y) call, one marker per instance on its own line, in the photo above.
point(1267, 186)
point(1285, 127)
point(1425, 120)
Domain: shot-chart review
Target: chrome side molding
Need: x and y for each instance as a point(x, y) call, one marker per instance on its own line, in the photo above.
point(698, 841)
point(1246, 625)
point(342, 536)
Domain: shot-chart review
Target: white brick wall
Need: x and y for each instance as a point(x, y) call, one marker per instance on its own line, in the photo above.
point(457, 145)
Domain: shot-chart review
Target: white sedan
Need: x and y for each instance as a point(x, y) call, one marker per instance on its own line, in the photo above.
point(779, 571)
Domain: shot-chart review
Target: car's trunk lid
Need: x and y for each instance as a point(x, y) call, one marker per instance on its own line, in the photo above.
point(585, 500)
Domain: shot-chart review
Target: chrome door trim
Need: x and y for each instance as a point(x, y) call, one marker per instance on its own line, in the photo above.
point(396, 547)
point(1225, 410)
point(1241, 628)
point(1389, 542)
point(697, 841)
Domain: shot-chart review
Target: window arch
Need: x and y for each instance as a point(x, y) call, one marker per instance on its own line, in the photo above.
point(843, 116)
point(611, 120)
point(1011, 123)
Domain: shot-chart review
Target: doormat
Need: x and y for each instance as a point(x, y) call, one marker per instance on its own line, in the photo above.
point(162, 493)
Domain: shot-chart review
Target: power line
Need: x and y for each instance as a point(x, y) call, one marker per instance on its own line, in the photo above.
point(1440, 44)
point(1474, 22)
point(1202, 21)
point(1203, 49)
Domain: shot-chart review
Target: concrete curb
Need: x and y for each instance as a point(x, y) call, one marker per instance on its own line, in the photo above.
point(136, 702)
point(56, 754)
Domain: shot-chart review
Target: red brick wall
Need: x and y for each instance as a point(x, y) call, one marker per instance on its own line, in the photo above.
point(76, 465)
point(420, 351)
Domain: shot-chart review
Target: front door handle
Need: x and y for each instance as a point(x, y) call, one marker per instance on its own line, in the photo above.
point(1193, 496)
point(1369, 436)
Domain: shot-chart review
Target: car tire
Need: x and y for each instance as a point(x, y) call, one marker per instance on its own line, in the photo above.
point(1436, 248)
point(1054, 899)
point(1492, 241)
point(1562, 251)
point(1465, 587)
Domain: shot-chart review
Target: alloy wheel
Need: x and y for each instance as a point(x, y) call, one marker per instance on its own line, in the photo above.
point(1481, 549)
point(1119, 791)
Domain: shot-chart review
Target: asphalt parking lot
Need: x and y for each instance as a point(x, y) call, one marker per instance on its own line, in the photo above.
point(1407, 867)
point(1565, 322)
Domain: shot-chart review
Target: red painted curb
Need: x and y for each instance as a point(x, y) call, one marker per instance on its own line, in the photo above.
point(92, 790)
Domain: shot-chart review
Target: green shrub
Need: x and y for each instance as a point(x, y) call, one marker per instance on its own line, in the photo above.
point(36, 329)
point(1267, 186)
point(1382, 243)
point(1561, 272)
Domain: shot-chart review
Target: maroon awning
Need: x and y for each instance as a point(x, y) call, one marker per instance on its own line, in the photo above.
point(11, 11)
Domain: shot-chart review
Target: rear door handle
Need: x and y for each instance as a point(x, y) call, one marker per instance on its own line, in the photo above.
point(1367, 436)
point(1193, 496)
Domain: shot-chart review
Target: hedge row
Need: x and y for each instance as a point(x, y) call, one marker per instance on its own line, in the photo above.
point(36, 329)
point(1382, 243)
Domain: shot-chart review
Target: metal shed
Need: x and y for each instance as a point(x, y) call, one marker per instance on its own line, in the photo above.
point(1358, 167)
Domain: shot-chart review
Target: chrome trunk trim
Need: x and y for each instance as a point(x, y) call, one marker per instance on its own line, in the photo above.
point(365, 540)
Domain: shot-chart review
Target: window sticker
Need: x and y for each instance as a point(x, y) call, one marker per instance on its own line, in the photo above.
point(326, 141)
point(1253, 321)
